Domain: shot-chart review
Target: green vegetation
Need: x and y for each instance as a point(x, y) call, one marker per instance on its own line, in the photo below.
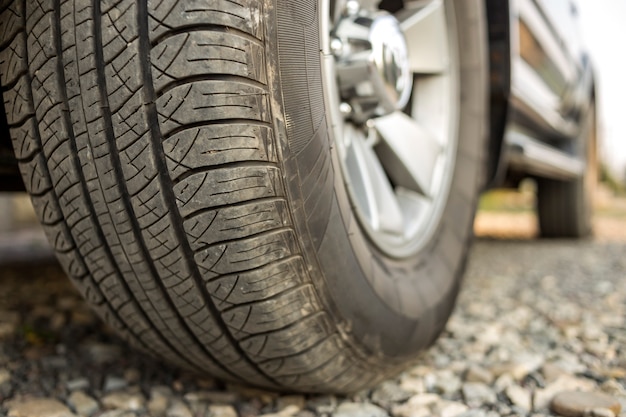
point(612, 183)
point(515, 200)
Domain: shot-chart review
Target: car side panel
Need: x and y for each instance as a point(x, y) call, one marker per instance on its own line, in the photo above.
point(548, 68)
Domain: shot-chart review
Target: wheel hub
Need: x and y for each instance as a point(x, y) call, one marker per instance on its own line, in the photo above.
point(372, 63)
point(392, 85)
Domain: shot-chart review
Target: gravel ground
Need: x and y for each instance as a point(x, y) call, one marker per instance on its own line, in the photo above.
point(535, 319)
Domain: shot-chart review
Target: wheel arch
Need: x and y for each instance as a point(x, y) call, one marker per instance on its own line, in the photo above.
point(499, 42)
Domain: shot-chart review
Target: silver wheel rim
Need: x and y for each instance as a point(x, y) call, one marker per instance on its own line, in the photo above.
point(397, 162)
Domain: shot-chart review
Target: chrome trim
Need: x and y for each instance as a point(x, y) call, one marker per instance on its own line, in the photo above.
point(531, 96)
point(372, 62)
point(529, 155)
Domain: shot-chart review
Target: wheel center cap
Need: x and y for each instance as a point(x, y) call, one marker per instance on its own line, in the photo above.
point(391, 60)
point(372, 62)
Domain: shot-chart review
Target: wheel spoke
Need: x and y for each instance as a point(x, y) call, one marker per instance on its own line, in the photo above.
point(414, 207)
point(396, 167)
point(408, 152)
point(425, 30)
point(373, 189)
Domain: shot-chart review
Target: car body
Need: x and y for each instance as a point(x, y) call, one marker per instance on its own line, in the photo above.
point(541, 84)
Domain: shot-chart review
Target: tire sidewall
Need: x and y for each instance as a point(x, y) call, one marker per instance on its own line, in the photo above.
point(390, 307)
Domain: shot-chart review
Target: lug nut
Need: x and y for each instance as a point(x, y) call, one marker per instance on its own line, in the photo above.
point(352, 7)
point(336, 46)
point(345, 109)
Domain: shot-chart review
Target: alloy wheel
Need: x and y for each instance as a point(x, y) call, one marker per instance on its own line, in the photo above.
point(392, 92)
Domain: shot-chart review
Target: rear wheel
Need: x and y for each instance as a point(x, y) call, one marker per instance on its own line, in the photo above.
point(565, 208)
point(232, 200)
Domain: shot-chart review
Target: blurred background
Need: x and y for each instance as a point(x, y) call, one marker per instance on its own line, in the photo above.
point(502, 214)
point(602, 23)
point(506, 213)
point(510, 214)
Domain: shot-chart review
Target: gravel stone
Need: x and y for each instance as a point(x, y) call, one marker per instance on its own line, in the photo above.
point(543, 397)
point(54, 362)
point(576, 404)
point(503, 382)
point(57, 321)
point(599, 412)
point(10, 317)
point(412, 384)
point(114, 383)
point(157, 406)
point(178, 409)
point(289, 411)
point(103, 353)
point(388, 393)
point(477, 393)
point(417, 405)
point(297, 401)
point(77, 384)
point(159, 400)
point(38, 407)
point(249, 409)
point(132, 375)
point(473, 413)
point(117, 413)
point(68, 303)
point(450, 409)
point(5, 376)
point(266, 397)
point(569, 362)
point(82, 403)
point(84, 317)
point(41, 311)
point(422, 400)
point(521, 367)
point(520, 397)
point(477, 373)
point(322, 404)
point(447, 382)
point(612, 387)
point(406, 410)
point(615, 372)
point(305, 413)
point(6, 330)
point(213, 397)
point(359, 410)
point(124, 401)
point(222, 411)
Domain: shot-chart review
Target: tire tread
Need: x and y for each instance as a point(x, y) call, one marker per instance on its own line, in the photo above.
point(156, 177)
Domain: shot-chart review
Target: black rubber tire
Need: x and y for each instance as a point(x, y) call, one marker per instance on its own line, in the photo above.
point(565, 208)
point(180, 163)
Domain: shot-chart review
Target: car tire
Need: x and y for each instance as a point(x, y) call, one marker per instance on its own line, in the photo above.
point(565, 208)
point(184, 168)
